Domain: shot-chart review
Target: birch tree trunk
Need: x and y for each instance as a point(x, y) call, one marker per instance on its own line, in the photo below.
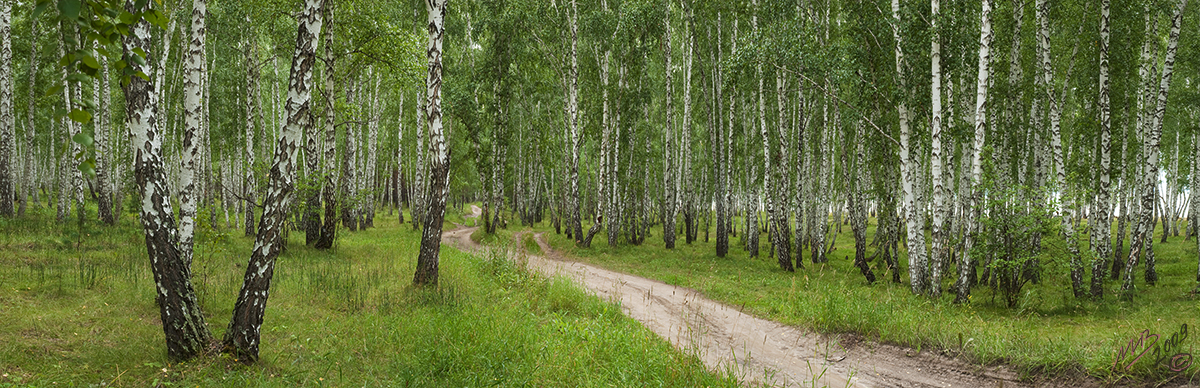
point(29, 189)
point(101, 125)
point(349, 176)
point(965, 264)
point(1055, 111)
point(183, 323)
point(312, 155)
point(329, 173)
point(1101, 221)
point(686, 177)
point(250, 183)
point(573, 125)
point(8, 130)
point(1196, 200)
point(242, 338)
point(781, 238)
point(908, 172)
point(427, 261)
point(1150, 145)
point(372, 156)
point(188, 192)
point(669, 189)
point(939, 246)
point(606, 158)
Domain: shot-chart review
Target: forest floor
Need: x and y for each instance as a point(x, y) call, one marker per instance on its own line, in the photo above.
point(77, 308)
point(729, 337)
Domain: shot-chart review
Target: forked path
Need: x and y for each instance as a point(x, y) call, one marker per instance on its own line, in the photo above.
point(760, 351)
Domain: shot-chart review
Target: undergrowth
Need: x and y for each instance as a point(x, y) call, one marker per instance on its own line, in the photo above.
point(77, 309)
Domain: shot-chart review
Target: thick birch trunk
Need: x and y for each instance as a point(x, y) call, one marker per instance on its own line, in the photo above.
point(427, 261)
point(186, 332)
point(242, 338)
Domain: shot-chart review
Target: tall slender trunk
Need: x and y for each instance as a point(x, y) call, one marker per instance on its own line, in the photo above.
point(427, 261)
point(939, 246)
point(329, 172)
point(908, 172)
point(369, 174)
point(29, 188)
point(1101, 221)
point(670, 192)
point(573, 125)
point(349, 175)
point(103, 148)
point(781, 238)
point(8, 130)
point(719, 145)
point(1150, 146)
point(605, 157)
point(971, 214)
point(687, 179)
point(1196, 200)
point(188, 192)
point(250, 183)
point(186, 332)
point(242, 338)
point(1064, 206)
point(314, 152)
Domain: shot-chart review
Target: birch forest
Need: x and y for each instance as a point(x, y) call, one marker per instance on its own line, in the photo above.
point(967, 153)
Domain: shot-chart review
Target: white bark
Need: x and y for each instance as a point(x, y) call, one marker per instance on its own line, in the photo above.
point(1101, 221)
point(192, 132)
point(8, 130)
point(1151, 151)
point(909, 170)
point(29, 188)
point(976, 152)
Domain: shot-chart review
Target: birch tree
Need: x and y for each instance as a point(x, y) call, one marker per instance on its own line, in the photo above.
point(1150, 145)
point(242, 338)
point(965, 278)
point(431, 238)
point(183, 323)
point(29, 189)
point(1101, 221)
point(940, 245)
point(329, 227)
point(188, 193)
point(909, 170)
point(8, 131)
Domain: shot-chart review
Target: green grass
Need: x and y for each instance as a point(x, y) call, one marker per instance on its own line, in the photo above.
point(1048, 332)
point(81, 312)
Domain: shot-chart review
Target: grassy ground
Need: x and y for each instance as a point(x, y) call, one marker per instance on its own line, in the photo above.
point(77, 309)
point(1049, 331)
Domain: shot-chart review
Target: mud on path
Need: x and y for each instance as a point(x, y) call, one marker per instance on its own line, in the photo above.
point(759, 351)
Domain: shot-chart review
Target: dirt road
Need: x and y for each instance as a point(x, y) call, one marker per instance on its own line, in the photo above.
point(762, 351)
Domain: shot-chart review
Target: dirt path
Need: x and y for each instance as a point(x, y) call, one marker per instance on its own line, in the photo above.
point(759, 350)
